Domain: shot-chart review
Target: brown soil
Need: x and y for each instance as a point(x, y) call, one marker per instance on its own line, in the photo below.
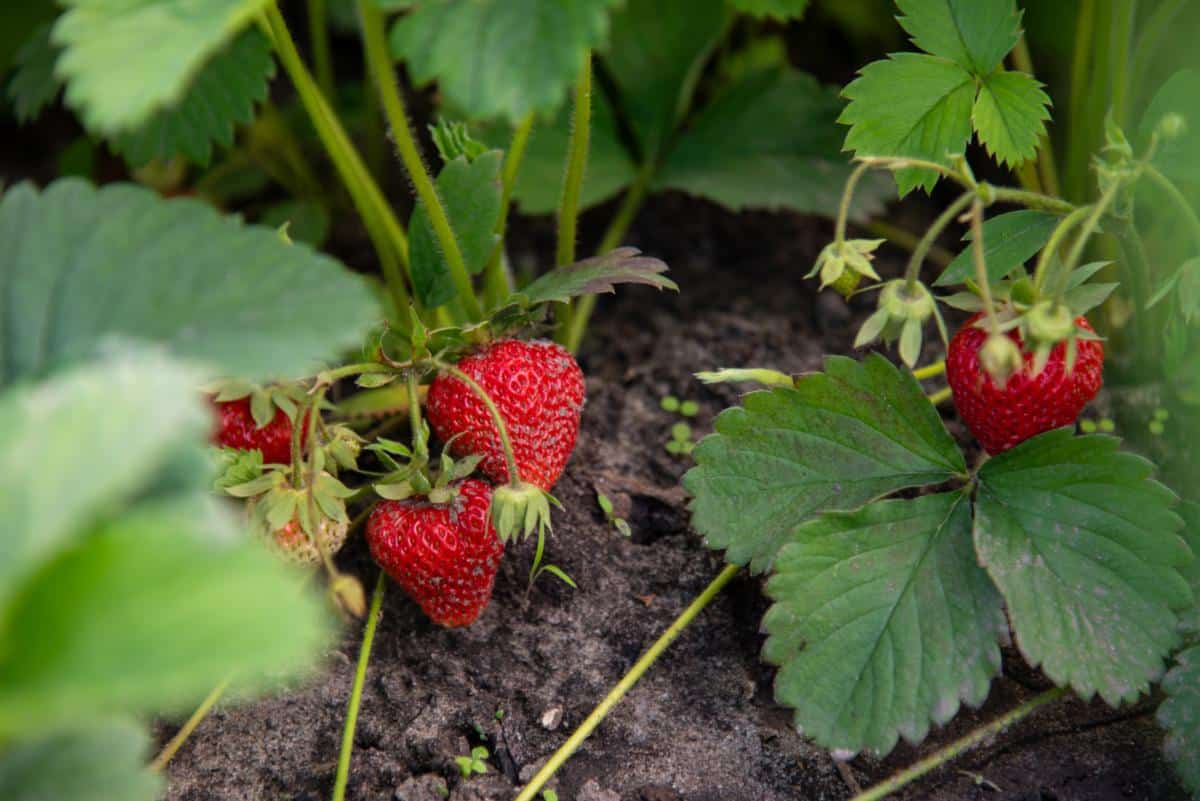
point(702, 724)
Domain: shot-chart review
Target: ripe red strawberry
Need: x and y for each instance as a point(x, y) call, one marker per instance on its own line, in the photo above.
point(236, 428)
point(538, 389)
point(445, 556)
point(1028, 404)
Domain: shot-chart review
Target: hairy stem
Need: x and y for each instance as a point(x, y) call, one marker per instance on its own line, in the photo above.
point(360, 676)
point(385, 231)
point(514, 476)
point(1056, 239)
point(959, 746)
point(1032, 200)
point(564, 752)
point(576, 167)
point(185, 731)
point(839, 231)
point(913, 272)
point(497, 281)
point(380, 66)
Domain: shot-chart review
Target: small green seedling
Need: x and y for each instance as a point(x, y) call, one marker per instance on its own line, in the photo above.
point(549, 795)
point(681, 442)
point(475, 763)
point(499, 715)
point(669, 403)
point(619, 523)
point(537, 569)
point(689, 408)
point(1104, 424)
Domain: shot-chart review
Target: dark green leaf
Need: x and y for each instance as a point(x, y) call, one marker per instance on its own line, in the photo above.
point(21, 22)
point(123, 60)
point(775, 9)
point(104, 763)
point(1010, 116)
point(1084, 547)
point(882, 622)
point(82, 266)
point(1008, 241)
point(595, 275)
point(173, 605)
point(500, 57)
point(976, 34)
point(1190, 512)
point(1180, 716)
point(470, 193)
point(82, 443)
point(770, 141)
point(854, 433)
point(930, 119)
point(658, 50)
point(222, 95)
point(34, 85)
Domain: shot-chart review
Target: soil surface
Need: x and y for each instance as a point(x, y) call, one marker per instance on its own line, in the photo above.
point(701, 725)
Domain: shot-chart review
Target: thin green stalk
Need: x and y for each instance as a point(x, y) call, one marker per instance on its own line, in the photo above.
point(913, 272)
point(564, 752)
point(347, 370)
point(380, 66)
point(631, 203)
point(497, 281)
point(387, 235)
point(908, 241)
point(1124, 20)
point(1077, 128)
point(959, 746)
point(318, 36)
point(930, 371)
point(981, 274)
point(839, 231)
point(1056, 238)
point(1081, 241)
point(420, 446)
point(941, 396)
point(514, 475)
point(1047, 169)
point(1136, 274)
point(185, 731)
point(360, 676)
point(577, 157)
point(1032, 200)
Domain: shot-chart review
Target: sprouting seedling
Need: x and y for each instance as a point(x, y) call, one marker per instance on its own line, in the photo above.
point(537, 569)
point(549, 795)
point(498, 714)
point(681, 442)
point(474, 763)
point(619, 523)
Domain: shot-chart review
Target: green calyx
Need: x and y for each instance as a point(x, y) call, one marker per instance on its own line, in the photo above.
point(904, 303)
point(264, 400)
point(521, 509)
point(1048, 323)
point(902, 313)
point(843, 264)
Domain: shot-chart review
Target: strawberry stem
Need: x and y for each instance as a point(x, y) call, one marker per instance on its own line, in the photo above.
point(360, 675)
point(1060, 231)
point(497, 280)
point(380, 66)
point(420, 446)
point(839, 231)
point(514, 475)
point(981, 274)
point(1081, 241)
point(577, 157)
point(185, 731)
point(913, 272)
point(564, 752)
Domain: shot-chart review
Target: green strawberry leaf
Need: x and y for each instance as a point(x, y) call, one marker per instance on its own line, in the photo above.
point(658, 50)
point(1084, 547)
point(174, 605)
point(1009, 240)
point(539, 182)
point(21, 23)
point(775, 9)
point(769, 141)
point(123, 60)
point(500, 58)
point(470, 193)
point(1180, 716)
point(303, 220)
point(930, 120)
point(83, 442)
point(882, 622)
point(1010, 116)
point(100, 763)
point(841, 438)
point(595, 275)
point(975, 34)
point(222, 95)
point(34, 85)
point(205, 286)
point(1190, 512)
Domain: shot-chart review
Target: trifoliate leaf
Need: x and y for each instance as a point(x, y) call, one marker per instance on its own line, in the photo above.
point(1180, 716)
point(853, 433)
point(595, 275)
point(930, 119)
point(82, 266)
point(1084, 547)
point(658, 50)
point(882, 622)
point(1008, 241)
point(500, 57)
point(100, 763)
point(775, 9)
point(123, 60)
point(223, 95)
point(34, 85)
point(769, 141)
point(470, 193)
point(976, 34)
point(1010, 116)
